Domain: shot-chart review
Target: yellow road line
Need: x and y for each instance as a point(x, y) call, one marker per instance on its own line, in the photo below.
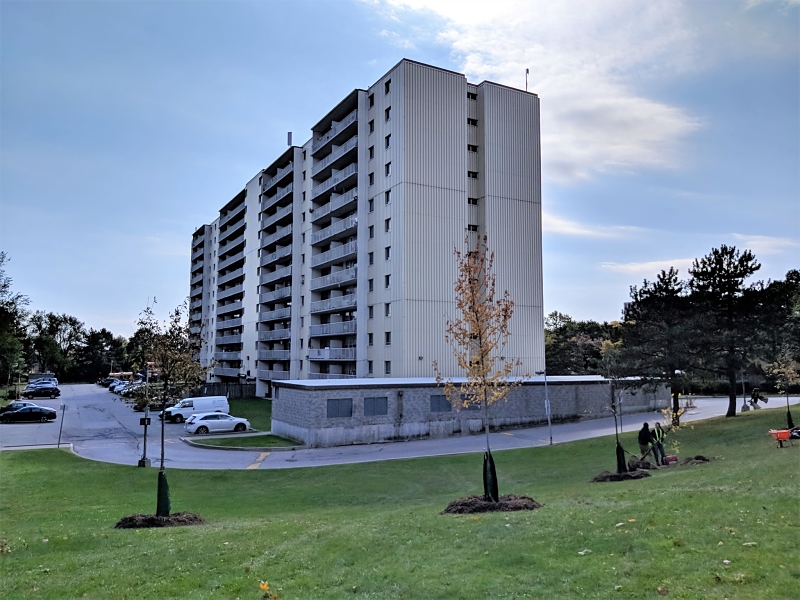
point(259, 460)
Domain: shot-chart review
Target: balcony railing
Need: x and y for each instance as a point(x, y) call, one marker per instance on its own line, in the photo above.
point(228, 339)
point(196, 279)
point(280, 233)
point(336, 203)
point(231, 243)
point(283, 292)
point(335, 279)
point(336, 153)
point(333, 229)
point(227, 356)
point(331, 329)
point(229, 323)
point(278, 314)
point(198, 253)
point(232, 214)
point(330, 376)
point(224, 235)
point(338, 253)
point(335, 179)
point(268, 202)
point(228, 308)
point(223, 279)
point(334, 304)
point(282, 172)
point(280, 214)
point(275, 275)
point(333, 131)
point(279, 253)
point(195, 329)
point(275, 334)
point(222, 265)
point(237, 289)
point(266, 374)
point(331, 353)
point(273, 354)
point(195, 304)
point(221, 372)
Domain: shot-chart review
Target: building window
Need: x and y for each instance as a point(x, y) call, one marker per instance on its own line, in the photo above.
point(387, 281)
point(371, 152)
point(304, 154)
point(369, 367)
point(387, 225)
point(439, 403)
point(303, 258)
point(388, 338)
point(473, 122)
point(370, 285)
point(387, 197)
point(371, 257)
point(388, 114)
point(387, 309)
point(472, 96)
point(301, 342)
point(372, 178)
point(473, 201)
point(301, 365)
point(370, 312)
point(472, 174)
point(387, 252)
point(371, 230)
point(387, 87)
point(304, 216)
point(472, 227)
point(371, 204)
point(304, 196)
point(472, 148)
point(302, 319)
point(372, 126)
point(376, 407)
point(340, 408)
point(304, 175)
point(387, 169)
point(302, 298)
point(387, 367)
point(303, 237)
point(371, 99)
point(387, 141)
point(370, 339)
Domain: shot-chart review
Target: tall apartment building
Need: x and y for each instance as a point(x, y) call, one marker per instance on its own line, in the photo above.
point(337, 259)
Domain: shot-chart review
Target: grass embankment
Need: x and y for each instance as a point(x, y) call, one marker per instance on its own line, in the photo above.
point(249, 441)
point(256, 410)
point(373, 530)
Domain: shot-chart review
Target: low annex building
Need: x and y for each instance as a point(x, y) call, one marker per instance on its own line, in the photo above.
point(325, 413)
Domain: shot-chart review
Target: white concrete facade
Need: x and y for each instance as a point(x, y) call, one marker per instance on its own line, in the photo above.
point(336, 261)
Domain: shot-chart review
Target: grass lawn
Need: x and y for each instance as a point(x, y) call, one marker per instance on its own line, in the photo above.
point(256, 410)
point(373, 530)
point(250, 441)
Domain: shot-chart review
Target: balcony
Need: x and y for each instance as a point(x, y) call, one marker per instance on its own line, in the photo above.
point(282, 213)
point(333, 304)
point(338, 205)
point(196, 279)
point(227, 356)
point(229, 308)
point(279, 253)
point(330, 376)
point(232, 214)
point(279, 234)
point(278, 294)
point(224, 235)
point(265, 374)
point(337, 254)
point(195, 304)
point(279, 314)
point(335, 279)
point(228, 277)
point(275, 334)
point(343, 228)
point(220, 372)
point(224, 264)
point(268, 202)
point(277, 177)
point(224, 340)
point(331, 354)
point(335, 130)
point(273, 354)
point(234, 291)
point(336, 178)
point(275, 275)
point(231, 243)
point(195, 329)
point(336, 153)
point(198, 253)
point(332, 329)
point(229, 323)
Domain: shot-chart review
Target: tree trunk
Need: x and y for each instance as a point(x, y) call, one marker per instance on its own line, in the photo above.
point(621, 466)
point(490, 491)
point(676, 408)
point(789, 421)
point(732, 394)
point(163, 507)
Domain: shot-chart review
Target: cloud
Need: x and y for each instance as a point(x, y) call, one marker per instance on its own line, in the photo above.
point(396, 40)
point(559, 225)
point(651, 268)
point(763, 244)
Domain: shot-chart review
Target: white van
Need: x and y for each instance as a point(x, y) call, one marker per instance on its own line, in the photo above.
point(189, 406)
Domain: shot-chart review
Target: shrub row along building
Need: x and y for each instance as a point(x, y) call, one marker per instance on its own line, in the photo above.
point(336, 261)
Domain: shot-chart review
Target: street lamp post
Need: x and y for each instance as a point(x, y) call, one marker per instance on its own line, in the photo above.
point(547, 405)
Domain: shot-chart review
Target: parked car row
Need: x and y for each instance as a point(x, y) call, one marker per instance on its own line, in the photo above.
point(26, 411)
point(41, 389)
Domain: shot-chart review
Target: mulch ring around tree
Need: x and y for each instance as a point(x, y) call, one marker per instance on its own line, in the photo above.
point(609, 476)
point(479, 504)
point(145, 521)
point(695, 460)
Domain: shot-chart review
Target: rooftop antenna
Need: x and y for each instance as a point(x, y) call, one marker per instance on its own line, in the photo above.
point(526, 78)
point(289, 139)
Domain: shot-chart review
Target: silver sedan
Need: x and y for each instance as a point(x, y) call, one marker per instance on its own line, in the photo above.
point(215, 422)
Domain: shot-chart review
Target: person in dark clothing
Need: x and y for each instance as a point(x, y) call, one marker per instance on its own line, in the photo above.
point(658, 437)
point(645, 437)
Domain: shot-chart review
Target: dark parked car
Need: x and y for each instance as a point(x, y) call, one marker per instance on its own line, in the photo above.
point(41, 392)
point(29, 413)
point(15, 406)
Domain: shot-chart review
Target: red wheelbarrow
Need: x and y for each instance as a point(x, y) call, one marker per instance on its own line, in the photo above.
point(780, 436)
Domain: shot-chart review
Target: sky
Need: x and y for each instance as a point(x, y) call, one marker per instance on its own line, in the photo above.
point(668, 129)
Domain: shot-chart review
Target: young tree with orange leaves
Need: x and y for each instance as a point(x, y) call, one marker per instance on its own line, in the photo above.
point(478, 337)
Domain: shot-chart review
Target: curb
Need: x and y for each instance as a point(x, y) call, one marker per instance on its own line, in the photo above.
point(189, 442)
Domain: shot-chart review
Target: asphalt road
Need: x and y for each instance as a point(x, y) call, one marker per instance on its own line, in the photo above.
point(100, 426)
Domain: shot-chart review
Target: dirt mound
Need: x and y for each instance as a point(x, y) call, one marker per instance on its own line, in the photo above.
point(609, 476)
point(695, 460)
point(478, 504)
point(174, 520)
point(636, 463)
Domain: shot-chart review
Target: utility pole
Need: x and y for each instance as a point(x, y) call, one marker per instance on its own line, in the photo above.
point(547, 401)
